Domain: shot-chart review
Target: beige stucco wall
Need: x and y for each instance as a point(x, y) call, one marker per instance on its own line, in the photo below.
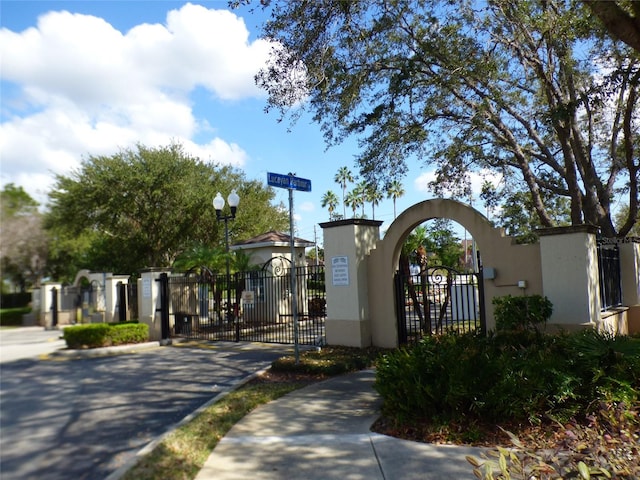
point(46, 316)
point(570, 270)
point(512, 263)
point(348, 320)
point(111, 293)
point(149, 302)
point(630, 273)
point(630, 276)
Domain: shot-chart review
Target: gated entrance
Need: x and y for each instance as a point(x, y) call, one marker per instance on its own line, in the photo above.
point(439, 300)
point(194, 305)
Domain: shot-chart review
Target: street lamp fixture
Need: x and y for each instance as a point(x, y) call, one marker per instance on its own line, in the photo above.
point(218, 203)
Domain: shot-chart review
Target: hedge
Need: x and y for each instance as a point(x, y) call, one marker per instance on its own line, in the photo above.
point(105, 335)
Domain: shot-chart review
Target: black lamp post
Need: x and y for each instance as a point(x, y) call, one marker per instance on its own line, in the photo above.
point(218, 203)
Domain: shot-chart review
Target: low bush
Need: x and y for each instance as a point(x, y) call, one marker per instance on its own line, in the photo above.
point(525, 312)
point(12, 317)
point(517, 377)
point(105, 334)
point(124, 333)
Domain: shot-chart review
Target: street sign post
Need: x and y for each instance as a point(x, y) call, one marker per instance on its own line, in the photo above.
point(288, 181)
point(291, 182)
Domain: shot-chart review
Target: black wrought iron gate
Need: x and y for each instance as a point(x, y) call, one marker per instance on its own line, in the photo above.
point(195, 305)
point(439, 300)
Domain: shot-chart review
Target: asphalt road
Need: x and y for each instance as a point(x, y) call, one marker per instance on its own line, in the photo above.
point(82, 419)
point(29, 342)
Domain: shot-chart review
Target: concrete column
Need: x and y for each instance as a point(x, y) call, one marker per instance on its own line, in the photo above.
point(111, 295)
point(346, 245)
point(149, 301)
point(46, 316)
point(630, 275)
point(570, 275)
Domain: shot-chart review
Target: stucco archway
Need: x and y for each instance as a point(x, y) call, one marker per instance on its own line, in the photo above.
point(511, 262)
point(86, 274)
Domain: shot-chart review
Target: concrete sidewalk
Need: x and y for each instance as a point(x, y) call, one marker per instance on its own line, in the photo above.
point(322, 432)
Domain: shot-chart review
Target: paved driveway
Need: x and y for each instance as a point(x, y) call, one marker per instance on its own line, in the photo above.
point(28, 342)
point(82, 419)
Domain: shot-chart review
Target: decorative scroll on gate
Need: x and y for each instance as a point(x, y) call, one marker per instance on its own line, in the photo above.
point(439, 300)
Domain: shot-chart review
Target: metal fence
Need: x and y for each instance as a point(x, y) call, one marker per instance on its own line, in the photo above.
point(609, 275)
point(248, 306)
point(127, 301)
point(437, 301)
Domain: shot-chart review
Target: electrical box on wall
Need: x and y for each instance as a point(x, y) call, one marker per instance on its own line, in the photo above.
point(522, 284)
point(489, 273)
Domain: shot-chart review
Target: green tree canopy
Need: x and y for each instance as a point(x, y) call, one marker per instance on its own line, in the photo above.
point(144, 207)
point(442, 244)
point(14, 201)
point(533, 89)
point(516, 212)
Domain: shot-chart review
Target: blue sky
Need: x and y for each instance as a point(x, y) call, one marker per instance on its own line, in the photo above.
point(83, 78)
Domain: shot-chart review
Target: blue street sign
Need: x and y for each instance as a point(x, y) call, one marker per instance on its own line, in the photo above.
point(288, 181)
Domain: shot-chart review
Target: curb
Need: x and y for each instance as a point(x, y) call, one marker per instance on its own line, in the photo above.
point(104, 352)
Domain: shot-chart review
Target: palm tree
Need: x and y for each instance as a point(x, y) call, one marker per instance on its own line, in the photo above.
point(352, 200)
point(395, 191)
point(330, 200)
point(343, 176)
point(374, 195)
point(361, 191)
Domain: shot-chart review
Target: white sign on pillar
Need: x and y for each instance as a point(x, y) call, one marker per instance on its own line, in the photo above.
point(146, 287)
point(340, 271)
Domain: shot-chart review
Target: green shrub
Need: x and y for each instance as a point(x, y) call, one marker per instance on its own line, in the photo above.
point(519, 376)
point(124, 333)
point(104, 334)
point(87, 336)
point(13, 316)
point(525, 312)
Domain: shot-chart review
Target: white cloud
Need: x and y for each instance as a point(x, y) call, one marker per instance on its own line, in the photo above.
point(421, 183)
point(85, 88)
point(307, 207)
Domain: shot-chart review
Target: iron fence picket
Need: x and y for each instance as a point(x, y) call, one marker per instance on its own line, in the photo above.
point(199, 307)
point(609, 275)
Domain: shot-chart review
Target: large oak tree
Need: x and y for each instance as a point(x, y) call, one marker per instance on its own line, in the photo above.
point(533, 89)
point(144, 207)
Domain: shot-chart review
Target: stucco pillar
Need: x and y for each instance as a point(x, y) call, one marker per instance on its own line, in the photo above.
point(46, 313)
point(149, 301)
point(346, 245)
point(630, 276)
point(570, 275)
point(111, 295)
